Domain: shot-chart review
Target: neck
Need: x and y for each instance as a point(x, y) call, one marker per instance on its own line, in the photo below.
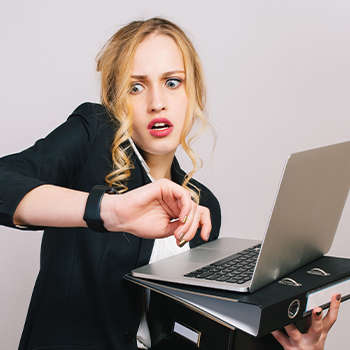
point(160, 165)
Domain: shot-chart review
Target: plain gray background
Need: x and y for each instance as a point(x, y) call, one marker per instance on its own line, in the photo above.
point(278, 82)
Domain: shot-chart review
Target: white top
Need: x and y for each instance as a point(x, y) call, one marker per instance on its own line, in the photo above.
point(162, 248)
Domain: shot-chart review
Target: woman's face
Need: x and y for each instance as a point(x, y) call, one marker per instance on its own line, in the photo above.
point(158, 95)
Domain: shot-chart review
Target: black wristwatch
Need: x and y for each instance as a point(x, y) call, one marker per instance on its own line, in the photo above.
point(92, 215)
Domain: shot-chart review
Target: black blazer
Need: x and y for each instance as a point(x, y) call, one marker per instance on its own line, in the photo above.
point(80, 300)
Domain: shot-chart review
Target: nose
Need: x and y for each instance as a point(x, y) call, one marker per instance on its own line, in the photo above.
point(156, 100)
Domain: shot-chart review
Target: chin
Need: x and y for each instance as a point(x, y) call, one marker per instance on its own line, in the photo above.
point(158, 147)
point(159, 150)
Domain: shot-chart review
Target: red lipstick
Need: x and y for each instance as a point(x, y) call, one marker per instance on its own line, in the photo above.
point(160, 127)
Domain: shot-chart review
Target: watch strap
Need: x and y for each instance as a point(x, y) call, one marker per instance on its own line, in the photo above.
point(92, 215)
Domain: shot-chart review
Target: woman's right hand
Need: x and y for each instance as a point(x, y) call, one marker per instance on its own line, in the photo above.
point(315, 337)
point(149, 212)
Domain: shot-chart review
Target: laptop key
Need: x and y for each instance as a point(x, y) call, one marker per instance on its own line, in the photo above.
point(223, 278)
point(240, 282)
point(213, 277)
point(191, 274)
point(223, 261)
point(204, 274)
point(232, 280)
point(231, 274)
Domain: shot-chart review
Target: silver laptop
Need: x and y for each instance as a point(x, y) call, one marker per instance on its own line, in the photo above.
point(305, 216)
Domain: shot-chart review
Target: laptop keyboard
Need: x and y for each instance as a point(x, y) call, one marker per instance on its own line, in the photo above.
point(237, 268)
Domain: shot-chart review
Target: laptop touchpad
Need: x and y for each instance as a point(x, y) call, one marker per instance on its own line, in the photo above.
point(198, 256)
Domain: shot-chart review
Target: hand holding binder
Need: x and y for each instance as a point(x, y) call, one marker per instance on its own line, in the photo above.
point(315, 337)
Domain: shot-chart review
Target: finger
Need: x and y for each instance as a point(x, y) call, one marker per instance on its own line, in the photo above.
point(293, 333)
point(205, 223)
point(307, 323)
point(172, 227)
point(316, 328)
point(197, 222)
point(201, 219)
point(170, 205)
point(332, 313)
point(281, 338)
point(183, 199)
point(173, 198)
point(183, 233)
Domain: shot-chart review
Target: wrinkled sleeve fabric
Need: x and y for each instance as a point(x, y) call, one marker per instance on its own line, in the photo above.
point(55, 159)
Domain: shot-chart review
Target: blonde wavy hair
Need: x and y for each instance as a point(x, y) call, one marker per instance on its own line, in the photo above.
point(114, 62)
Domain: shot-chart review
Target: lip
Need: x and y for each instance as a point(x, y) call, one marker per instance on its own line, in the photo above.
point(160, 132)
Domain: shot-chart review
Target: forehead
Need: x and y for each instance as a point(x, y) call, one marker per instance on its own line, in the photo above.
point(157, 53)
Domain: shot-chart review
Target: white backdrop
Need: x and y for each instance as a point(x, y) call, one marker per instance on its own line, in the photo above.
point(278, 81)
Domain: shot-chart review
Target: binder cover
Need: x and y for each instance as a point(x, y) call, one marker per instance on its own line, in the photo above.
point(182, 328)
point(271, 307)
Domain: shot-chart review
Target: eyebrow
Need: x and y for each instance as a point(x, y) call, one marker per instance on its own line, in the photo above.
point(164, 75)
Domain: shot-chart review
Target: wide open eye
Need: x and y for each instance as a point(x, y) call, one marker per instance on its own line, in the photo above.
point(136, 88)
point(173, 83)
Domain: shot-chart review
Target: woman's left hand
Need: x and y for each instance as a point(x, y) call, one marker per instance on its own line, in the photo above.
point(315, 337)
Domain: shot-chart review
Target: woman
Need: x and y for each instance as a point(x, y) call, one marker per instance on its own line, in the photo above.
point(153, 91)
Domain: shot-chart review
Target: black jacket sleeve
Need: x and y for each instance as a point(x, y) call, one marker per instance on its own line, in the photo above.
point(55, 159)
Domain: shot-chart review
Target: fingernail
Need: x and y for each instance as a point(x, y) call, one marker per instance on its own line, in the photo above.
point(182, 243)
point(338, 297)
point(319, 313)
point(184, 220)
point(181, 236)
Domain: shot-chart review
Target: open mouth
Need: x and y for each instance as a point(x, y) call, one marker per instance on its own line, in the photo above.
point(160, 126)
